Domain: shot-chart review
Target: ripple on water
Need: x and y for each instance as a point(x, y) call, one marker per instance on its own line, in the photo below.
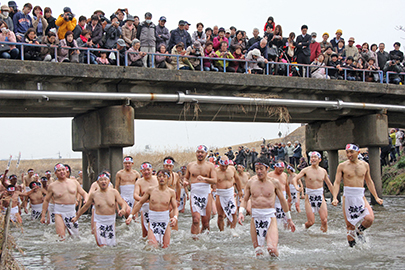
point(304, 249)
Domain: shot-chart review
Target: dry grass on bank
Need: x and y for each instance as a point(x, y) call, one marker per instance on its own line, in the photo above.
point(11, 263)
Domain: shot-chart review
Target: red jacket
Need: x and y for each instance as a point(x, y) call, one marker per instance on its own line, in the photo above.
point(315, 50)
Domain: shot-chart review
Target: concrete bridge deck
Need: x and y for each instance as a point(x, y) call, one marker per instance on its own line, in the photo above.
point(31, 75)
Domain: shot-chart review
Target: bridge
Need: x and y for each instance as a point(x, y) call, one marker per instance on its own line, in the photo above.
point(104, 101)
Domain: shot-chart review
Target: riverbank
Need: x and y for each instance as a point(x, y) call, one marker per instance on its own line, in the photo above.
point(393, 178)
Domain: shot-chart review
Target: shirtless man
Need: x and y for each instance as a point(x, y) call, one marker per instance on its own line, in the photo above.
point(244, 178)
point(295, 195)
point(49, 177)
point(173, 183)
point(141, 186)
point(64, 191)
point(104, 198)
point(200, 174)
point(11, 193)
point(184, 191)
point(80, 178)
point(263, 191)
point(355, 206)
point(36, 196)
point(125, 182)
point(281, 176)
point(161, 198)
point(27, 179)
point(227, 177)
point(314, 199)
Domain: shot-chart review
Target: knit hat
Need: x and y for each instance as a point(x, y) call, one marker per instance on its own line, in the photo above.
point(135, 41)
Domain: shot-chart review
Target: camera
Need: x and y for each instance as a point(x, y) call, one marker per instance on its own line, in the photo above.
point(69, 17)
point(197, 52)
point(393, 62)
point(123, 10)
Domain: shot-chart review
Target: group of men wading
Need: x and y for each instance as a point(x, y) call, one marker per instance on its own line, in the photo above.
point(159, 198)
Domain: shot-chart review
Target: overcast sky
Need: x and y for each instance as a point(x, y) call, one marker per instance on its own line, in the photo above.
point(372, 21)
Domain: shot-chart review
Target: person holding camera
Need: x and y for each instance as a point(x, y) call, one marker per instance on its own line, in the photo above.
point(66, 22)
point(112, 32)
point(393, 65)
point(396, 52)
point(195, 50)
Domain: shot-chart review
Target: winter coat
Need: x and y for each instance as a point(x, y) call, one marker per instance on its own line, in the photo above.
point(8, 21)
point(38, 24)
point(177, 36)
point(164, 34)
point(96, 33)
point(147, 34)
point(65, 26)
point(196, 37)
point(128, 34)
point(112, 34)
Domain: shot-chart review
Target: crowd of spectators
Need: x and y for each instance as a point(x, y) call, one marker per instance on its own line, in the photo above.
point(331, 58)
point(289, 153)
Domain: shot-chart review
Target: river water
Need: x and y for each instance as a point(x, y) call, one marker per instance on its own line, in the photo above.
point(303, 249)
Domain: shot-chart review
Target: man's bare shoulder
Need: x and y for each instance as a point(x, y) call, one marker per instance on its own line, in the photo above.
point(120, 172)
point(191, 164)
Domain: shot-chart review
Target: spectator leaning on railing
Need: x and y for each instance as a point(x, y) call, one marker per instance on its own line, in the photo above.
point(66, 52)
point(7, 51)
point(48, 53)
point(162, 58)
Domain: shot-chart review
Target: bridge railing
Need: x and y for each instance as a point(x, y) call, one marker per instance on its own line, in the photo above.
point(57, 47)
point(393, 72)
point(289, 67)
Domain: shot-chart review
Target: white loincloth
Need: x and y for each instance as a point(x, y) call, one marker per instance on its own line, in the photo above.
point(280, 215)
point(315, 197)
point(355, 208)
point(127, 193)
point(145, 214)
point(293, 192)
point(240, 197)
point(158, 222)
point(105, 229)
point(51, 211)
point(227, 200)
point(67, 211)
point(214, 195)
point(13, 212)
point(199, 197)
point(262, 220)
point(27, 189)
point(182, 199)
point(36, 211)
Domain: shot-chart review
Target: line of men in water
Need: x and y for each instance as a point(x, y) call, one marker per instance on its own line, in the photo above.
point(159, 198)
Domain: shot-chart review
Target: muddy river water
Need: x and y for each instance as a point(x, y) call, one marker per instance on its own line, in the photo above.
point(304, 249)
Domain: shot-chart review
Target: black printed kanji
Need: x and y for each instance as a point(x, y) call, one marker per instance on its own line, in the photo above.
point(228, 208)
point(280, 213)
point(261, 225)
point(106, 231)
point(36, 214)
point(146, 216)
point(159, 227)
point(294, 195)
point(53, 217)
point(356, 211)
point(200, 202)
point(130, 204)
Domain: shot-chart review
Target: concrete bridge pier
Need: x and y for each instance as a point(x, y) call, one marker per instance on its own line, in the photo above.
point(367, 131)
point(101, 135)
